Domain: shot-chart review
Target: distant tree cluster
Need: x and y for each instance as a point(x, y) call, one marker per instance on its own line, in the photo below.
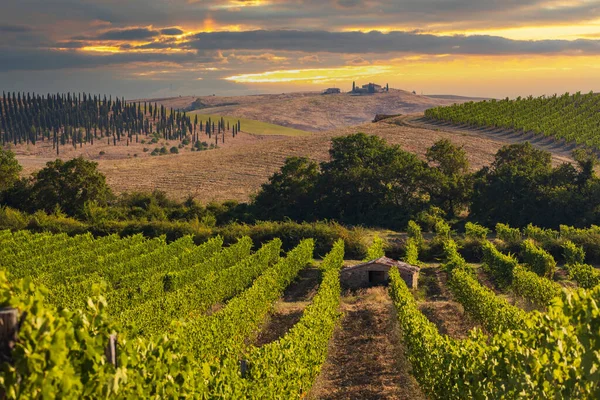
point(83, 118)
point(368, 182)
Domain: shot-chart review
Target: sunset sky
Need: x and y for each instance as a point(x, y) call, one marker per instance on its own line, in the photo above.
point(156, 48)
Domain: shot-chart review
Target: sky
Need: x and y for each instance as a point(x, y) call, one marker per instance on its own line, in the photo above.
point(163, 48)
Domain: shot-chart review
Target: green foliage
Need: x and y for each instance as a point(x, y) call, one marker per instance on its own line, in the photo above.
point(412, 252)
point(572, 253)
point(534, 288)
point(500, 266)
point(9, 170)
point(288, 367)
point(289, 192)
point(69, 185)
point(538, 259)
point(540, 235)
point(493, 313)
point(442, 231)
point(508, 234)
point(476, 231)
point(376, 250)
point(452, 258)
point(414, 231)
point(174, 150)
point(506, 365)
point(585, 275)
point(450, 172)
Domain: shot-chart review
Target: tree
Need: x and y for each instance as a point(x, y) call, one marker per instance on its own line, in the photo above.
point(69, 185)
point(289, 192)
point(511, 190)
point(451, 182)
point(9, 170)
point(368, 181)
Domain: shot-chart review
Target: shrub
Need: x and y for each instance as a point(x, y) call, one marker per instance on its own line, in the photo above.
point(538, 259)
point(508, 234)
point(414, 232)
point(585, 275)
point(476, 231)
point(174, 150)
point(499, 265)
point(376, 250)
point(163, 150)
point(572, 253)
point(540, 235)
point(412, 252)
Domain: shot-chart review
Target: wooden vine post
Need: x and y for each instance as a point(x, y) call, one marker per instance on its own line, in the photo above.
point(243, 368)
point(9, 326)
point(111, 350)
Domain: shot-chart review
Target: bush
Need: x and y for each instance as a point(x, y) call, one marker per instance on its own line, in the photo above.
point(414, 231)
point(499, 265)
point(376, 250)
point(476, 231)
point(540, 235)
point(163, 150)
point(572, 253)
point(508, 234)
point(174, 150)
point(538, 259)
point(585, 275)
point(412, 252)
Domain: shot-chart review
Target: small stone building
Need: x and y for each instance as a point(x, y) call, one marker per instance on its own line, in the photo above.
point(377, 272)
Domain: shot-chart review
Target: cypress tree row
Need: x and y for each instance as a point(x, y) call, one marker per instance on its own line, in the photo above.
point(70, 119)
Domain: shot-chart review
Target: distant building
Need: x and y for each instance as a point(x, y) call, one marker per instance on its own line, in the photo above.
point(369, 88)
point(332, 91)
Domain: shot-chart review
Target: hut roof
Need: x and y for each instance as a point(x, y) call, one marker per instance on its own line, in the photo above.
point(385, 261)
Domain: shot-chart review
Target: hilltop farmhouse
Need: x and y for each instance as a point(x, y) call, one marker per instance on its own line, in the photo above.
point(369, 88)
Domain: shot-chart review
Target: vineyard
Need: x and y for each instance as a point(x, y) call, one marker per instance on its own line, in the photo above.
point(183, 318)
point(574, 118)
point(78, 119)
point(155, 297)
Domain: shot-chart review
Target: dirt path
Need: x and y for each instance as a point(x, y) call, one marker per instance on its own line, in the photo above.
point(289, 309)
point(366, 359)
point(438, 306)
point(560, 149)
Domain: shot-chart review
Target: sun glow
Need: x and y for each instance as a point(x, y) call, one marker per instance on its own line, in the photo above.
point(315, 76)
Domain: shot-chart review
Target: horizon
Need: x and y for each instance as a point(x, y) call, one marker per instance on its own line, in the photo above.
point(152, 49)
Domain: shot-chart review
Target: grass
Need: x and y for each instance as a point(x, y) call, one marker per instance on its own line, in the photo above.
point(255, 127)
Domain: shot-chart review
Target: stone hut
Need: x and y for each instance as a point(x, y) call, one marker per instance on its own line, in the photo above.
point(377, 272)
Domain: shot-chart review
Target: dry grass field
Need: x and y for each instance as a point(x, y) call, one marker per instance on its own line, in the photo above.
point(237, 169)
point(312, 111)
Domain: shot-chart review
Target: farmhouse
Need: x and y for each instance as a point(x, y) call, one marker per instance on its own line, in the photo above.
point(369, 88)
point(376, 272)
point(332, 91)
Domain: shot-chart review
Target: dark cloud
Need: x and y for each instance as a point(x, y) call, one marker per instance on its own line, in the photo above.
point(16, 59)
point(376, 42)
point(14, 29)
point(171, 31)
point(128, 34)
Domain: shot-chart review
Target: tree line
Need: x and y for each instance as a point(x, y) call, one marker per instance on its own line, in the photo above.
point(366, 182)
point(77, 119)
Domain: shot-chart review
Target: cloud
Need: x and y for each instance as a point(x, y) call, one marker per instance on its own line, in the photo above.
point(358, 61)
point(376, 42)
point(171, 31)
point(14, 29)
point(127, 34)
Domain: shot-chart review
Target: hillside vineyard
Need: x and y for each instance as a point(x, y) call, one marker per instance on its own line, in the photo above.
point(574, 118)
point(134, 289)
